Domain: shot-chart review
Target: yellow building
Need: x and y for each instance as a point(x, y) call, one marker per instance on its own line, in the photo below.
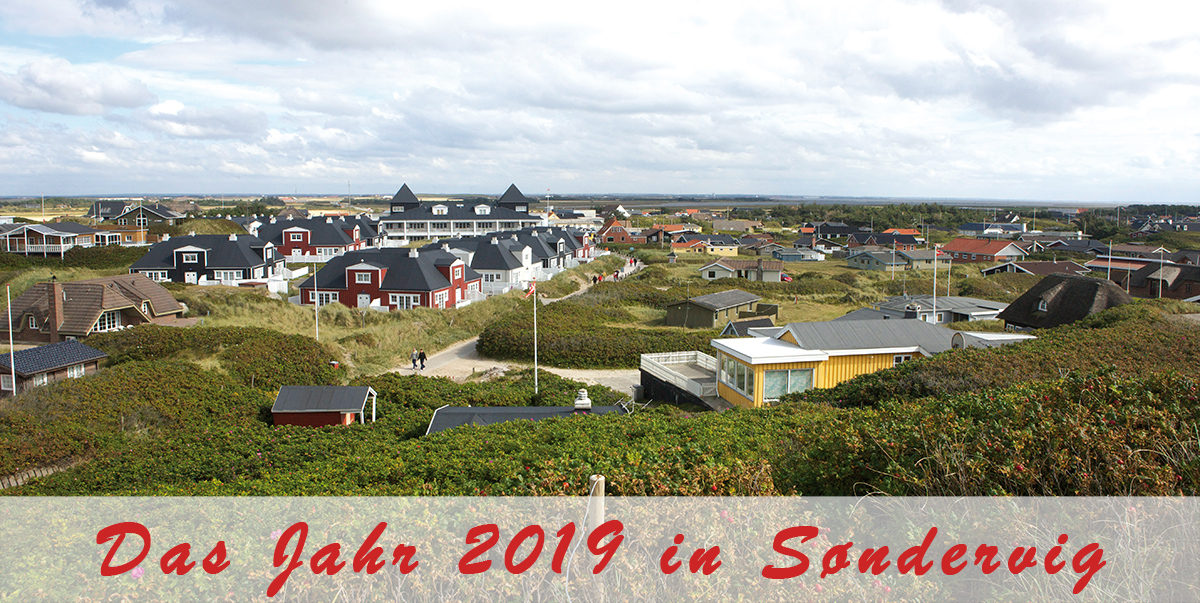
point(751, 372)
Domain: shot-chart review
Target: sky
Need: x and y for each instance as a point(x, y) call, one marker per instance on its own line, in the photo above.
point(994, 99)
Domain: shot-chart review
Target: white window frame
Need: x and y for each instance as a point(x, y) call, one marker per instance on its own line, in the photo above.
point(191, 258)
point(788, 388)
point(39, 379)
point(108, 321)
point(227, 275)
point(899, 359)
point(731, 370)
point(75, 371)
point(1042, 305)
point(6, 382)
point(157, 276)
point(146, 308)
point(323, 298)
point(404, 301)
point(141, 221)
point(458, 273)
point(33, 323)
point(440, 298)
point(296, 236)
point(362, 278)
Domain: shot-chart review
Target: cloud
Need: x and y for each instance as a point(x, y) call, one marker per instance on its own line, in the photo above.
point(54, 85)
point(228, 122)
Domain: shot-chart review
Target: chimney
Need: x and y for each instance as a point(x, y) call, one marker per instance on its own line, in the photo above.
point(582, 402)
point(446, 247)
point(495, 241)
point(166, 237)
point(514, 237)
point(328, 220)
point(290, 217)
point(232, 237)
point(412, 253)
point(55, 316)
point(272, 219)
point(191, 233)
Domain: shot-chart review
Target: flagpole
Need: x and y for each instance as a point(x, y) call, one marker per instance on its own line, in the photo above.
point(935, 318)
point(533, 292)
point(12, 356)
point(316, 307)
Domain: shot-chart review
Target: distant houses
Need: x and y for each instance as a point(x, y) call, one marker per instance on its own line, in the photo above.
point(769, 271)
point(983, 250)
point(409, 219)
point(393, 279)
point(214, 259)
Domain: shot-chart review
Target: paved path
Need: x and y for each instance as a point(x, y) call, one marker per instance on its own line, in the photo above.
point(461, 360)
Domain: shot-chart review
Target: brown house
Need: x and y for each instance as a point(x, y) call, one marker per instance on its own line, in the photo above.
point(53, 311)
point(47, 364)
point(1173, 281)
point(322, 405)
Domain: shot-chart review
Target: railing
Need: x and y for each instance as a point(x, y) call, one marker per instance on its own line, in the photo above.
point(658, 365)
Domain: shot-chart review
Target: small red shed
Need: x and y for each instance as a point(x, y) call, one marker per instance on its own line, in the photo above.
point(321, 405)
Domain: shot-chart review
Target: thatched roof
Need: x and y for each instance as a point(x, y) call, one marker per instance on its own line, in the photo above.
point(1067, 298)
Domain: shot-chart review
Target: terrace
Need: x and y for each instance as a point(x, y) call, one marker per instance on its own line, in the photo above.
point(685, 376)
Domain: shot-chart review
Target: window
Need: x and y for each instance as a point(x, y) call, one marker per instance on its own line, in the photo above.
point(32, 323)
point(416, 226)
point(972, 256)
point(6, 382)
point(439, 210)
point(489, 277)
point(712, 274)
point(362, 277)
point(487, 225)
point(146, 308)
point(405, 302)
point(397, 209)
point(141, 220)
point(157, 276)
point(508, 225)
point(439, 298)
point(462, 226)
point(483, 210)
point(122, 221)
point(610, 239)
point(75, 372)
point(439, 225)
point(191, 258)
point(324, 298)
point(295, 236)
point(778, 383)
point(738, 376)
point(39, 379)
point(227, 275)
point(128, 238)
point(899, 359)
point(108, 321)
point(458, 272)
point(1042, 305)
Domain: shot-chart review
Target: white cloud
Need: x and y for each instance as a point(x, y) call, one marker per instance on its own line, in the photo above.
point(56, 86)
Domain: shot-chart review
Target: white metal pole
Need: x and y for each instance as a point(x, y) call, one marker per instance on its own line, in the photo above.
point(533, 291)
point(316, 307)
point(12, 355)
point(935, 318)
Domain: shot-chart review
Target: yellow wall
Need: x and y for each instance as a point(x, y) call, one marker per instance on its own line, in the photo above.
point(827, 373)
point(726, 251)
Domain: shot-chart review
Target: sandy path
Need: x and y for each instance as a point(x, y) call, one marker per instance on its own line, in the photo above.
point(461, 360)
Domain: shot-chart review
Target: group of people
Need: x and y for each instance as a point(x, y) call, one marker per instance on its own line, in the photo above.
point(418, 356)
point(616, 275)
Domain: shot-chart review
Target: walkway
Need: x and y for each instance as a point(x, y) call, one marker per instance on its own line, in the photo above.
point(461, 361)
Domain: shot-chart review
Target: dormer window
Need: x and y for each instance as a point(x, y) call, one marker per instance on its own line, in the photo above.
point(191, 258)
point(1042, 305)
point(397, 209)
point(146, 308)
point(362, 277)
point(523, 208)
point(295, 236)
point(440, 210)
point(483, 210)
point(32, 323)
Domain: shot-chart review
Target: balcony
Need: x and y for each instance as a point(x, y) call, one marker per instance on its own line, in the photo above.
point(693, 374)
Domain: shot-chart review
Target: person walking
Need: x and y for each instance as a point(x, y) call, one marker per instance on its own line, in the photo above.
point(422, 358)
point(415, 357)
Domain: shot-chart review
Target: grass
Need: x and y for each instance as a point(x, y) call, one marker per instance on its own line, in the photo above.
point(21, 280)
point(372, 341)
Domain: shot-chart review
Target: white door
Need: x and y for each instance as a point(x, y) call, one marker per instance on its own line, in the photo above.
point(189, 277)
point(364, 300)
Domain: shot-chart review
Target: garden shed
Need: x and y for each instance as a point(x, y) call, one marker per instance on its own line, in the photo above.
point(321, 405)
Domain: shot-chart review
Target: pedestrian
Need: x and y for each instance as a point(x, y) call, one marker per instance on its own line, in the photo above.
point(414, 357)
point(616, 273)
point(593, 279)
point(422, 358)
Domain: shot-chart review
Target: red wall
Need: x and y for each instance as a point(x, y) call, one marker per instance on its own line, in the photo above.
point(313, 419)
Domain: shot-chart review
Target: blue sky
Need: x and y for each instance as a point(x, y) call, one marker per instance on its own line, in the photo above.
point(1056, 100)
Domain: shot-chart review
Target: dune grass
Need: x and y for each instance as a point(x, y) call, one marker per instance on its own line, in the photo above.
point(23, 279)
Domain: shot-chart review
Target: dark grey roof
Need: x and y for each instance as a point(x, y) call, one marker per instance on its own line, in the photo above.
point(869, 334)
point(740, 328)
point(1084, 246)
point(245, 252)
point(1172, 275)
point(883, 239)
point(458, 212)
point(449, 417)
point(161, 211)
point(723, 300)
point(953, 303)
point(321, 398)
point(495, 256)
point(404, 273)
point(324, 232)
point(106, 209)
point(47, 358)
point(405, 197)
point(980, 226)
point(863, 314)
point(1189, 256)
point(72, 227)
point(1068, 298)
point(512, 198)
